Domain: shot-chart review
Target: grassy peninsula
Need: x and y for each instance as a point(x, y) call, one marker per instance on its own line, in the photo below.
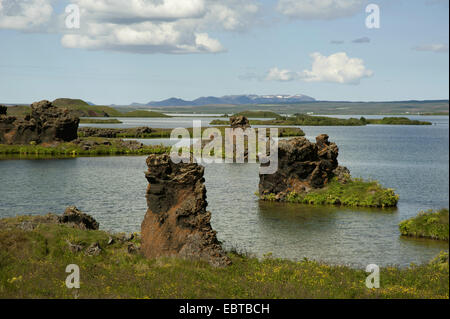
point(99, 121)
point(309, 120)
point(147, 132)
point(83, 147)
point(355, 192)
point(427, 224)
point(33, 260)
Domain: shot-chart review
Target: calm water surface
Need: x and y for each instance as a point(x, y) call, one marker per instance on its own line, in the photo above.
point(412, 159)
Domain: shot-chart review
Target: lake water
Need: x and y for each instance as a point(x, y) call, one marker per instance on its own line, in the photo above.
point(412, 159)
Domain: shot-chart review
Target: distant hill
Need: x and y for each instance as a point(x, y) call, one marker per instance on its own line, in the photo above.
point(231, 100)
point(83, 109)
point(439, 107)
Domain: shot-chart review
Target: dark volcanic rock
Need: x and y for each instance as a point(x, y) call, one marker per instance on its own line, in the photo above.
point(78, 219)
point(176, 222)
point(239, 122)
point(47, 123)
point(302, 166)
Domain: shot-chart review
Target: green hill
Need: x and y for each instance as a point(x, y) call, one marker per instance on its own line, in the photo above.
point(83, 109)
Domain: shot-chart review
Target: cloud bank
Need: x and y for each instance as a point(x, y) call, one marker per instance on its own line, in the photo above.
point(140, 26)
point(336, 68)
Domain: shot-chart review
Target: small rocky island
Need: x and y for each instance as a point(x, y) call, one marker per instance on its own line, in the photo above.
point(309, 173)
point(176, 222)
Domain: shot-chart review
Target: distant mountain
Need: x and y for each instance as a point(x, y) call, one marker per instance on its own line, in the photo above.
point(231, 99)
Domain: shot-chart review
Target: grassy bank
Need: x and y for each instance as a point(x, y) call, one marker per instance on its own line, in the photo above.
point(96, 146)
point(354, 193)
point(427, 224)
point(166, 132)
point(309, 120)
point(33, 263)
point(395, 121)
point(99, 121)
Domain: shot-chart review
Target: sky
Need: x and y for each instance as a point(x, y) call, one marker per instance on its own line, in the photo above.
point(122, 52)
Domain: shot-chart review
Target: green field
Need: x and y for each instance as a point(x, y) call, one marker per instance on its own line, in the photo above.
point(99, 147)
point(33, 263)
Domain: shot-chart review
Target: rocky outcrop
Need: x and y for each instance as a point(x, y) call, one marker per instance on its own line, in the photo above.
point(45, 124)
point(72, 217)
point(77, 219)
point(302, 166)
point(176, 222)
point(239, 122)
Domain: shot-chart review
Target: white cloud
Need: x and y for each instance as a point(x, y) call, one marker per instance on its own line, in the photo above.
point(138, 9)
point(24, 14)
point(283, 75)
point(319, 9)
point(336, 68)
point(438, 48)
point(141, 26)
point(157, 26)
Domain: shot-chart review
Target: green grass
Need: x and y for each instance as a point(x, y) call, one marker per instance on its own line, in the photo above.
point(33, 263)
point(83, 109)
point(354, 193)
point(395, 121)
point(427, 224)
point(99, 121)
point(166, 132)
point(72, 149)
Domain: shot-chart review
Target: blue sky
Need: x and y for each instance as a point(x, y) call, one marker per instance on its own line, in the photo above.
point(137, 53)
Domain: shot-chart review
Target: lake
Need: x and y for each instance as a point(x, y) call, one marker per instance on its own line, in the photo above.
point(412, 159)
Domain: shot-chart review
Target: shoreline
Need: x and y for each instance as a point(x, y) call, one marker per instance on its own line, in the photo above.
point(116, 269)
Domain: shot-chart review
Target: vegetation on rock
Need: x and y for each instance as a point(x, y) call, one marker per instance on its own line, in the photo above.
point(354, 193)
point(427, 224)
